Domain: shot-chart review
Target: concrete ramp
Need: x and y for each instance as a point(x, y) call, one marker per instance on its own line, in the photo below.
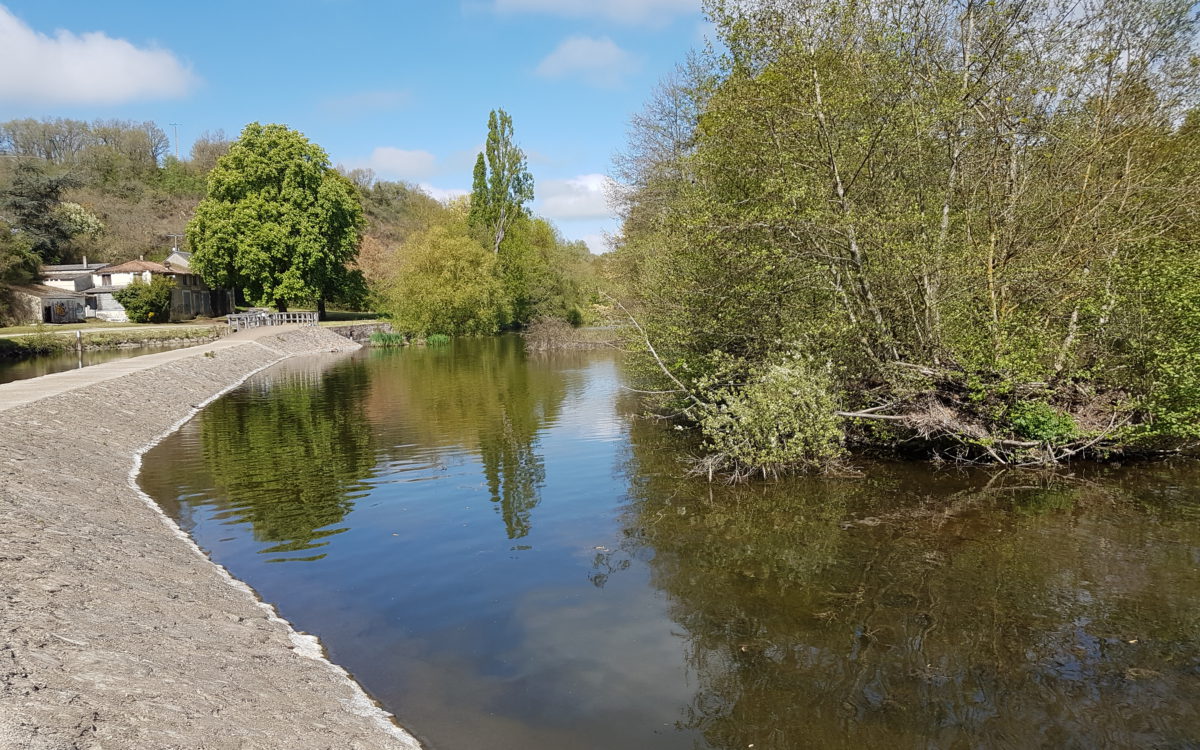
point(115, 631)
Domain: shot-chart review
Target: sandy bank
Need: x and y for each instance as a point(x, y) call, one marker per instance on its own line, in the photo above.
point(114, 631)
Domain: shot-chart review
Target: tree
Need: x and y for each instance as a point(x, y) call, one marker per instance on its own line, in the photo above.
point(964, 209)
point(543, 274)
point(32, 205)
point(502, 184)
point(445, 282)
point(208, 149)
point(277, 220)
point(18, 265)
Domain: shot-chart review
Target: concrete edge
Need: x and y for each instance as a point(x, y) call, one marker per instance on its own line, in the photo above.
point(361, 704)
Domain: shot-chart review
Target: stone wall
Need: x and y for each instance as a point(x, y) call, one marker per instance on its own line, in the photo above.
point(361, 332)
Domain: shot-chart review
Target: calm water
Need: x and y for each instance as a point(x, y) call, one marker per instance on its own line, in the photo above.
point(506, 558)
point(46, 364)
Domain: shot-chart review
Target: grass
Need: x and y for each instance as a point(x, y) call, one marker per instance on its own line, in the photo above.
point(383, 339)
point(93, 325)
point(48, 341)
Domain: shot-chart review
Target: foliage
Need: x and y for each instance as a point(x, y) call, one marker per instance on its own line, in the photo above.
point(543, 274)
point(33, 206)
point(501, 184)
point(41, 341)
point(277, 220)
point(388, 339)
point(779, 418)
point(108, 150)
point(437, 339)
point(445, 282)
point(147, 302)
point(934, 195)
point(1037, 420)
point(18, 266)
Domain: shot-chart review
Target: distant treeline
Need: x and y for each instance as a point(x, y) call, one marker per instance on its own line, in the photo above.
point(112, 190)
point(107, 147)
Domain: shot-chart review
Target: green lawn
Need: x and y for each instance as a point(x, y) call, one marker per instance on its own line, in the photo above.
point(93, 325)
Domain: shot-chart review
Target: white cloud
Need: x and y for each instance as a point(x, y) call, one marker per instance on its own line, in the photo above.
point(363, 102)
point(599, 62)
point(87, 68)
point(583, 197)
point(441, 194)
point(621, 11)
point(398, 164)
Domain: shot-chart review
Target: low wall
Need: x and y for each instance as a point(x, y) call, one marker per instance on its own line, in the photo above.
point(361, 332)
point(115, 632)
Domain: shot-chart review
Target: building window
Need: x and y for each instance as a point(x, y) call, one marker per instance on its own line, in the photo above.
point(106, 279)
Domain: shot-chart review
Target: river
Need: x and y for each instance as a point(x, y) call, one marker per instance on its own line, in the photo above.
point(47, 364)
point(506, 557)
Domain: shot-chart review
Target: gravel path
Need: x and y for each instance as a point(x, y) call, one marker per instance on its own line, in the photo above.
point(115, 631)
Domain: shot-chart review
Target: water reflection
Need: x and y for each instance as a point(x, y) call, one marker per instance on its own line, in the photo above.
point(308, 417)
point(923, 610)
point(47, 364)
point(291, 453)
point(507, 559)
point(486, 398)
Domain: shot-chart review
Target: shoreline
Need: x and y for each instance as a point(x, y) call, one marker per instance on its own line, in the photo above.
point(25, 346)
point(112, 634)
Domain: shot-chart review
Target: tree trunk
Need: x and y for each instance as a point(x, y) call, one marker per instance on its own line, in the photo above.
point(320, 308)
point(281, 305)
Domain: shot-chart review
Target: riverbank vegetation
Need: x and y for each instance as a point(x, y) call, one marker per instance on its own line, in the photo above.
point(962, 229)
point(47, 341)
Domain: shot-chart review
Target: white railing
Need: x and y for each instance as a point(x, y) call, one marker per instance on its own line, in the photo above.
point(242, 321)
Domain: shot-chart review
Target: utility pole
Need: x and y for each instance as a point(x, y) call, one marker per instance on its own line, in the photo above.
point(175, 129)
point(174, 242)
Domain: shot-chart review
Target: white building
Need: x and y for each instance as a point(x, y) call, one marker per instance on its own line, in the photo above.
point(74, 277)
point(97, 282)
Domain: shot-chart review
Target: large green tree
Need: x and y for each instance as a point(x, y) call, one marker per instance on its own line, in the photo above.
point(277, 221)
point(502, 184)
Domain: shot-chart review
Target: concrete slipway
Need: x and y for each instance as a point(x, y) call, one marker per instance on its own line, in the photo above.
point(115, 630)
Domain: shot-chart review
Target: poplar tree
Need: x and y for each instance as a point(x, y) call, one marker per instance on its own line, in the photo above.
point(502, 184)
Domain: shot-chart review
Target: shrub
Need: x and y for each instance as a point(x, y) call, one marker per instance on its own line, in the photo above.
point(147, 303)
point(1037, 420)
point(437, 339)
point(782, 419)
point(43, 342)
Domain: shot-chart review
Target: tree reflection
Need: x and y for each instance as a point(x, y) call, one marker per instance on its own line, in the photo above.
point(484, 397)
point(923, 610)
point(290, 458)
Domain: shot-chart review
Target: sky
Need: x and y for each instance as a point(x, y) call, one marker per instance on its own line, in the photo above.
point(403, 88)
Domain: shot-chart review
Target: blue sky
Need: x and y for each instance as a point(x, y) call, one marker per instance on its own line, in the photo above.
point(401, 87)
